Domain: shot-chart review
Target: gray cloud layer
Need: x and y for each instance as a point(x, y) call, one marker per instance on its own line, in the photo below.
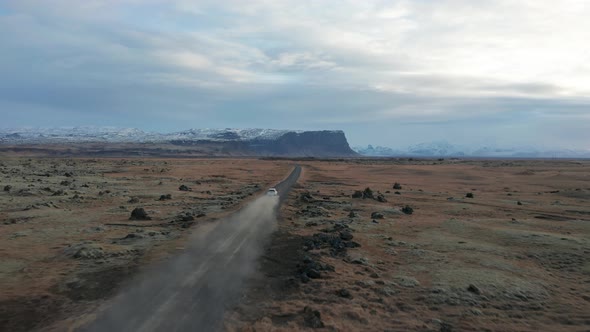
point(387, 72)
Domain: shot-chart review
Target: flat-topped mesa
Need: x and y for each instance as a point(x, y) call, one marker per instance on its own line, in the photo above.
point(268, 142)
point(308, 143)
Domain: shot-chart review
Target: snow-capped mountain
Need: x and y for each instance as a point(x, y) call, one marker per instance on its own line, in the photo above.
point(74, 134)
point(229, 134)
point(229, 141)
point(112, 134)
point(377, 151)
point(436, 149)
point(445, 149)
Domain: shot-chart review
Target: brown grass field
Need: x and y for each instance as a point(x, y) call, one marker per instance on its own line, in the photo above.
point(515, 257)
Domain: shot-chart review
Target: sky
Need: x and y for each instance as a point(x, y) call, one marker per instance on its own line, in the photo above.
point(390, 73)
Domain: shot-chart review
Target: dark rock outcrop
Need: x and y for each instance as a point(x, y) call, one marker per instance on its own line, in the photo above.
point(324, 143)
point(139, 214)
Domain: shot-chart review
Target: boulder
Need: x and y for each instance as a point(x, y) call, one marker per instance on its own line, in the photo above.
point(377, 215)
point(346, 236)
point(165, 197)
point(345, 293)
point(139, 214)
point(312, 318)
point(368, 193)
point(407, 210)
point(306, 197)
point(85, 250)
point(473, 289)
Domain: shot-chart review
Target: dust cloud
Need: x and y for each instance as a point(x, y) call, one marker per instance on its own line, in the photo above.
point(190, 292)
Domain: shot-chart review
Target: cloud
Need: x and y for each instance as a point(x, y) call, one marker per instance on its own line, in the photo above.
point(362, 66)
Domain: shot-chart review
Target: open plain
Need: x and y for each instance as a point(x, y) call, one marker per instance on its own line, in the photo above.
point(456, 246)
point(432, 245)
point(67, 239)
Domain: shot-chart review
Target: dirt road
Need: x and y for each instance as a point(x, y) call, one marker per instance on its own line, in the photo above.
point(192, 291)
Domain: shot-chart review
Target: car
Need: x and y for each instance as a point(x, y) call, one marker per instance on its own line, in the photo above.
point(272, 192)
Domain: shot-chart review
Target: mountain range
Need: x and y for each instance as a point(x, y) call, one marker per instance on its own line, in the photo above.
point(131, 141)
point(244, 142)
point(445, 149)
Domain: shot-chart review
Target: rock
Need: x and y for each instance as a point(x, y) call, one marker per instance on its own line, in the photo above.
point(132, 236)
point(338, 246)
point(397, 186)
point(345, 293)
point(474, 289)
point(360, 261)
point(313, 212)
point(304, 278)
point(368, 193)
point(133, 200)
point(306, 197)
point(406, 281)
point(407, 210)
point(397, 193)
point(7, 188)
point(19, 234)
point(187, 217)
point(312, 269)
point(58, 193)
point(386, 291)
point(469, 195)
point(346, 235)
point(381, 198)
point(446, 327)
point(165, 197)
point(84, 251)
point(365, 283)
point(314, 274)
point(312, 318)
point(187, 224)
point(184, 188)
point(377, 215)
point(475, 312)
point(139, 214)
point(519, 203)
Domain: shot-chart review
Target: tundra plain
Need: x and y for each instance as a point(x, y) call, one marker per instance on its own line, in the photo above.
point(514, 255)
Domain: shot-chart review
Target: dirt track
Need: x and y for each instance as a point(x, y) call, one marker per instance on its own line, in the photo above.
point(191, 291)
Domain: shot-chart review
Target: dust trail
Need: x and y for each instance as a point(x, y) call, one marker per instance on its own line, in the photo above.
point(191, 291)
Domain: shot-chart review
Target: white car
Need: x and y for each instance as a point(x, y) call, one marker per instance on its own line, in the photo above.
point(272, 192)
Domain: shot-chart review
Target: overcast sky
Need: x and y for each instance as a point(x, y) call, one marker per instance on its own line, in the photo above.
point(388, 73)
